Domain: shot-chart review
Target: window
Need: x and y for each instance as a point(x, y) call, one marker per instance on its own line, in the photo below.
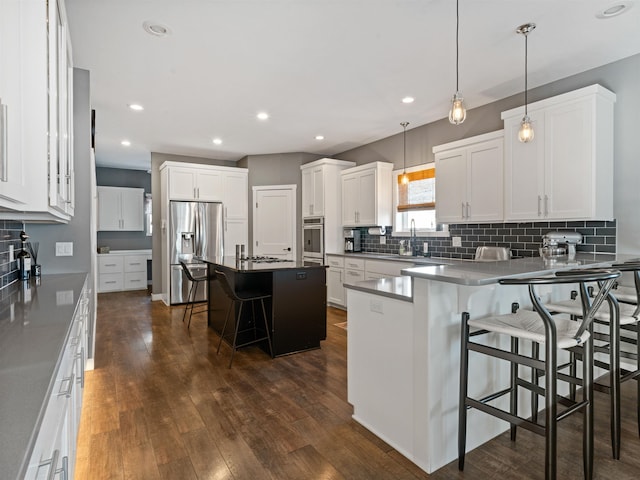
point(415, 200)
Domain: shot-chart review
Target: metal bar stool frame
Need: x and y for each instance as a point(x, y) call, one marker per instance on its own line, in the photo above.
point(549, 366)
point(612, 347)
point(193, 292)
point(242, 298)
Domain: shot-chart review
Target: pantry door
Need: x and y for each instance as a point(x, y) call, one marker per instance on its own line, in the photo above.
point(274, 221)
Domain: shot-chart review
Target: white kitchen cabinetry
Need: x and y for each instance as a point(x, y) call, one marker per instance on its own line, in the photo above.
point(312, 191)
point(335, 280)
point(123, 270)
point(366, 195)
point(469, 179)
point(376, 269)
point(322, 197)
point(38, 94)
point(566, 172)
point(195, 183)
point(120, 208)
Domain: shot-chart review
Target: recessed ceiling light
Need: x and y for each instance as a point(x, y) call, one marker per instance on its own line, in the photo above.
point(126, 143)
point(217, 141)
point(615, 9)
point(156, 29)
point(135, 106)
point(319, 137)
point(262, 116)
point(408, 100)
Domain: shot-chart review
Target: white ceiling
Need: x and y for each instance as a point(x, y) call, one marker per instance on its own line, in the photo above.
point(333, 67)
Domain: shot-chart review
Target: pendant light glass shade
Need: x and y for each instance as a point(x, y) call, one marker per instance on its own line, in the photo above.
point(457, 113)
point(405, 178)
point(526, 133)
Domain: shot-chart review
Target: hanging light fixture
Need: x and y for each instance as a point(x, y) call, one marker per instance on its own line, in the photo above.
point(458, 113)
point(525, 134)
point(405, 177)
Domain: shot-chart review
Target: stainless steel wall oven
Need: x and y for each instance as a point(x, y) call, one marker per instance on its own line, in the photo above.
point(313, 237)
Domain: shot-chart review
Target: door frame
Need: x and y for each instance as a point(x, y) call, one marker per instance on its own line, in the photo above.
point(293, 189)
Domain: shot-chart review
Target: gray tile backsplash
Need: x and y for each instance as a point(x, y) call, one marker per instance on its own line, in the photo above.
point(524, 239)
point(9, 235)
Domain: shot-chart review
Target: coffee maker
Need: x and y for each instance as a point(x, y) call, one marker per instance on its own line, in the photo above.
point(352, 240)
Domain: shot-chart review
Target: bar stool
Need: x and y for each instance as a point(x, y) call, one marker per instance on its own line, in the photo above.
point(618, 318)
point(556, 333)
point(193, 292)
point(241, 298)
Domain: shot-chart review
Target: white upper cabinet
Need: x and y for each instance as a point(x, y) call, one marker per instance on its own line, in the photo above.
point(39, 114)
point(366, 195)
point(469, 179)
point(120, 208)
point(312, 191)
point(566, 172)
point(195, 183)
point(13, 176)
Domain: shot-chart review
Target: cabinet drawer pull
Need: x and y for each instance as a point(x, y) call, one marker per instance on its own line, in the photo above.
point(67, 391)
point(134, 280)
point(110, 281)
point(539, 202)
point(134, 263)
point(109, 264)
point(52, 462)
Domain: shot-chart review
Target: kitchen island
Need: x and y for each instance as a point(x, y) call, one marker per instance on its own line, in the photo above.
point(296, 310)
point(403, 351)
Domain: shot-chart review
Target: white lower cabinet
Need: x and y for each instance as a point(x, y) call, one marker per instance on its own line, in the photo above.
point(349, 270)
point(123, 270)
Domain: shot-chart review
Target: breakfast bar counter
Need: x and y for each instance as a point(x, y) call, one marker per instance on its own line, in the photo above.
point(296, 310)
point(403, 352)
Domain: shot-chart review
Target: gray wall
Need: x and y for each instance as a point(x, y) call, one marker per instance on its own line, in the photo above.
point(622, 77)
point(78, 230)
point(158, 159)
point(120, 177)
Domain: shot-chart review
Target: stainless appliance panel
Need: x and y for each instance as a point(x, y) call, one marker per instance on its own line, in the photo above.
point(195, 229)
point(180, 284)
point(313, 237)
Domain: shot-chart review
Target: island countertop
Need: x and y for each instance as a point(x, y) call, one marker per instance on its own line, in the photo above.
point(237, 265)
point(485, 273)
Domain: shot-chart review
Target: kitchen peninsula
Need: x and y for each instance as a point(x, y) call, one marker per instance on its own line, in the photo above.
point(403, 350)
point(296, 310)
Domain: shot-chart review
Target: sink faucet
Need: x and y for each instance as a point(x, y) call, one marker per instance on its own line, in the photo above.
point(412, 242)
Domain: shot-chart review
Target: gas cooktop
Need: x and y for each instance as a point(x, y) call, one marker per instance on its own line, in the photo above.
point(264, 259)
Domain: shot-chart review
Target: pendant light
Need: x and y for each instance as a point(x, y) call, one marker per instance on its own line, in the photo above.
point(405, 177)
point(525, 134)
point(458, 113)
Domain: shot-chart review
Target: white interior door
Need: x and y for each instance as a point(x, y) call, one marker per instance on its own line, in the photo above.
point(274, 211)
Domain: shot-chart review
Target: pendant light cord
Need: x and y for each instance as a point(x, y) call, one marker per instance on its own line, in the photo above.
point(457, 35)
point(526, 51)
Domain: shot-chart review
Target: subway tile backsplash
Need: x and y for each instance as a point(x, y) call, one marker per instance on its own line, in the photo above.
point(524, 239)
point(9, 235)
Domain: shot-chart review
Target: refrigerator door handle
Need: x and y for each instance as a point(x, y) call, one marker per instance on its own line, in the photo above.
point(198, 240)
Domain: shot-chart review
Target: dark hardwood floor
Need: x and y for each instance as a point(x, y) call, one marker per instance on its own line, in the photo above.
point(161, 404)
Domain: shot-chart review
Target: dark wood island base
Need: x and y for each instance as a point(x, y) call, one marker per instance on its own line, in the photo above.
point(296, 311)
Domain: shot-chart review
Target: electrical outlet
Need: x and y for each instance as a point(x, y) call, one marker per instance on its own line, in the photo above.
point(11, 255)
point(376, 306)
point(64, 249)
point(425, 247)
point(456, 241)
point(383, 240)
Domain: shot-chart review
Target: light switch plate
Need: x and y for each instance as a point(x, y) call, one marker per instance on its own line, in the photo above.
point(425, 247)
point(376, 306)
point(383, 240)
point(456, 241)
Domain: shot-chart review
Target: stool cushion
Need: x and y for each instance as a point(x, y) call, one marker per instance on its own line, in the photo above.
point(574, 307)
point(528, 325)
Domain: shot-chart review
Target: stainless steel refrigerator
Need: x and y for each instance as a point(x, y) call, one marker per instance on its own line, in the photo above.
point(195, 230)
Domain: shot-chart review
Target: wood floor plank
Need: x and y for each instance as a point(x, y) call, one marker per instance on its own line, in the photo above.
point(206, 459)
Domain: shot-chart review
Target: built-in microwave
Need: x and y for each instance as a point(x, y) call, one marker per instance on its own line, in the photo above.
point(313, 237)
